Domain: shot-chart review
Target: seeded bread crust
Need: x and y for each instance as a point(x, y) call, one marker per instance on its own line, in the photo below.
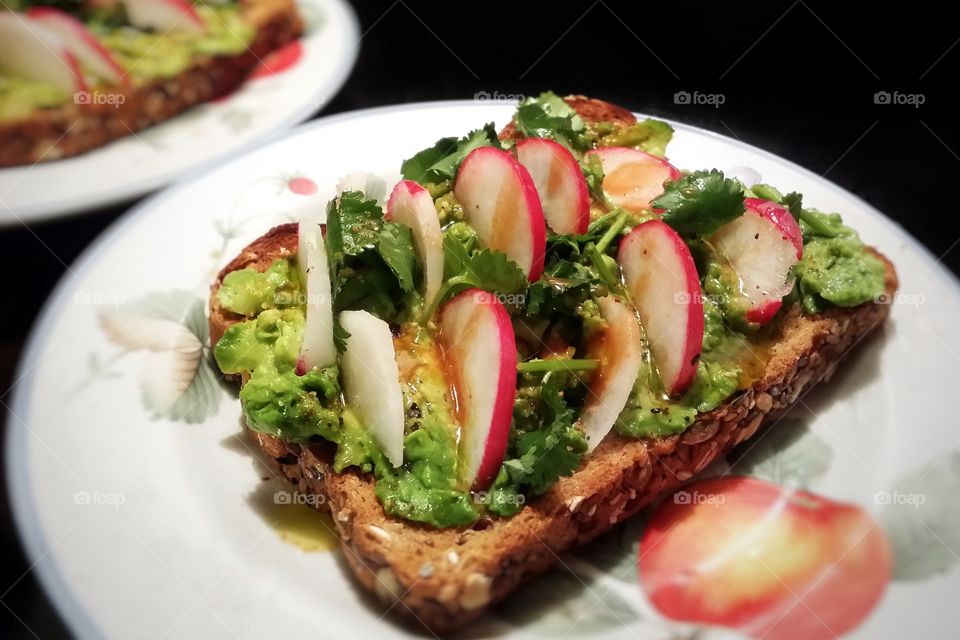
point(51, 134)
point(445, 579)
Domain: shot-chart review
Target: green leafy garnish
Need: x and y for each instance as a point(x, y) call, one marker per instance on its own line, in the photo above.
point(396, 248)
point(440, 162)
point(700, 203)
point(549, 448)
point(548, 116)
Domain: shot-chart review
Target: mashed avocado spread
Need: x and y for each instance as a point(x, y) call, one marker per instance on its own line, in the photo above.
point(374, 268)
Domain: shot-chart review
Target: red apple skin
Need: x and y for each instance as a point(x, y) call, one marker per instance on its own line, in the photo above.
point(615, 182)
point(563, 166)
point(59, 20)
point(503, 378)
point(631, 249)
point(500, 238)
point(767, 561)
point(781, 217)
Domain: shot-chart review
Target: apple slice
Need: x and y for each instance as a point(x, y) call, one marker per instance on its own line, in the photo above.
point(480, 353)
point(560, 184)
point(30, 50)
point(632, 179)
point(164, 15)
point(619, 350)
point(411, 205)
point(80, 41)
point(501, 203)
point(662, 280)
point(767, 561)
point(762, 246)
point(318, 349)
point(371, 381)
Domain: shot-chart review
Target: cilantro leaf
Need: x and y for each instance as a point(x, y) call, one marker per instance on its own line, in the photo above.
point(548, 116)
point(353, 224)
point(651, 136)
point(539, 456)
point(371, 261)
point(700, 203)
point(396, 248)
point(481, 268)
point(440, 162)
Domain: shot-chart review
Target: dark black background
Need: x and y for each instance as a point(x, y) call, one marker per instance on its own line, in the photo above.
point(797, 78)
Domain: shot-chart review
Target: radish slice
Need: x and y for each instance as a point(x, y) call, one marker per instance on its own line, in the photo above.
point(30, 50)
point(480, 353)
point(411, 205)
point(371, 381)
point(633, 179)
point(164, 15)
point(80, 41)
point(501, 203)
point(662, 279)
point(620, 352)
point(762, 246)
point(318, 349)
point(560, 184)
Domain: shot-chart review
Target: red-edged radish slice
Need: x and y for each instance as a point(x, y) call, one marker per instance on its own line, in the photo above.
point(501, 203)
point(662, 279)
point(632, 179)
point(480, 354)
point(80, 41)
point(30, 50)
point(560, 184)
point(164, 15)
point(762, 246)
point(318, 349)
point(411, 205)
point(619, 350)
point(371, 381)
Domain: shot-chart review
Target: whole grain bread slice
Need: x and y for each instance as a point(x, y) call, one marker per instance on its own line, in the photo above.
point(50, 134)
point(446, 578)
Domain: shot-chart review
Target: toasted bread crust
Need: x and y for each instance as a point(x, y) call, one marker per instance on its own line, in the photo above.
point(51, 134)
point(447, 578)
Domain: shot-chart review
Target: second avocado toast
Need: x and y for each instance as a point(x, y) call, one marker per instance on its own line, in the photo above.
point(546, 331)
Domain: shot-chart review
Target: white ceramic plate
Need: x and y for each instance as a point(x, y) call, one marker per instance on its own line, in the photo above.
point(201, 137)
point(145, 515)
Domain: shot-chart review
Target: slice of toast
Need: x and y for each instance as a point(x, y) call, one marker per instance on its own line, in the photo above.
point(446, 578)
point(50, 134)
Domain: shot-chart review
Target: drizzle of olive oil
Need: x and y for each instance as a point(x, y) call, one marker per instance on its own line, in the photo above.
point(303, 526)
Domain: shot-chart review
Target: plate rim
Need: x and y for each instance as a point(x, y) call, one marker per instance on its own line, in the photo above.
point(25, 517)
point(63, 209)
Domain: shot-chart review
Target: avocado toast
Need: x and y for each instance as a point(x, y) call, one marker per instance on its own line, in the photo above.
point(447, 534)
point(93, 72)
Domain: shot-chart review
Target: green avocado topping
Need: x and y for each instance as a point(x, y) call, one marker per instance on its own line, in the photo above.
point(374, 267)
